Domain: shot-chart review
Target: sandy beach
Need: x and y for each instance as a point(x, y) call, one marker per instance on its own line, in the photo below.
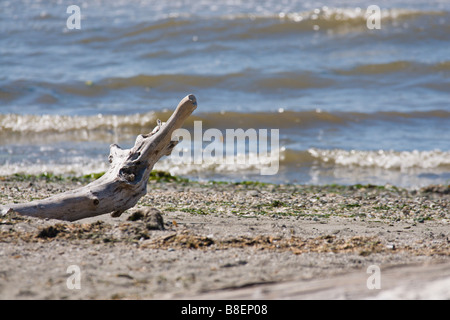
point(222, 240)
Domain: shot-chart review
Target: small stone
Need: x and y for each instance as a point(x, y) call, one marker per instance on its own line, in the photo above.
point(154, 219)
point(137, 215)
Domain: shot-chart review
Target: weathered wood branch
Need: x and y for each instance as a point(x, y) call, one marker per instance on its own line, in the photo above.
point(125, 182)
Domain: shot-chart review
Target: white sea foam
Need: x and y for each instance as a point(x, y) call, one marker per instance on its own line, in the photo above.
point(69, 169)
point(399, 160)
point(58, 123)
point(250, 162)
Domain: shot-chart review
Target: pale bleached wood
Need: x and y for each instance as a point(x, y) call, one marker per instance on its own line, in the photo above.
point(125, 182)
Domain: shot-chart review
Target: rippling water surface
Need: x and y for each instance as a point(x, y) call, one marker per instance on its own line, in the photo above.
point(353, 105)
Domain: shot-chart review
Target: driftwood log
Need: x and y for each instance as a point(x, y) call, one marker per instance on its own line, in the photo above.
point(125, 182)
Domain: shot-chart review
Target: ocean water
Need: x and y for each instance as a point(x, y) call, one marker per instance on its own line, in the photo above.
point(352, 104)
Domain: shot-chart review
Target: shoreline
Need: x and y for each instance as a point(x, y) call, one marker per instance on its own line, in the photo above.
point(220, 237)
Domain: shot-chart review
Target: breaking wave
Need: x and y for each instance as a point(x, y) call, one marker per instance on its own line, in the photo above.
point(135, 123)
point(393, 160)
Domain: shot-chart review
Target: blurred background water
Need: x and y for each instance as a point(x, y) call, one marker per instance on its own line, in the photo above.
point(352, 105)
